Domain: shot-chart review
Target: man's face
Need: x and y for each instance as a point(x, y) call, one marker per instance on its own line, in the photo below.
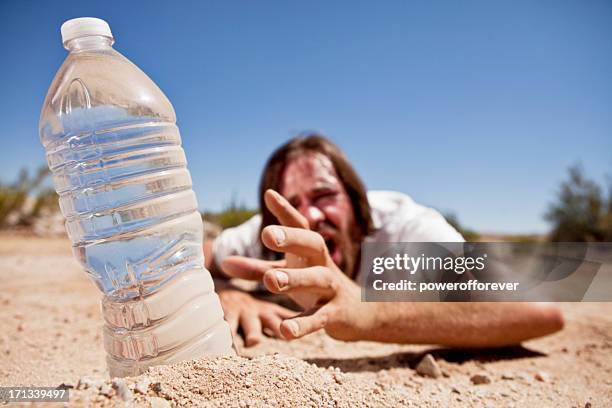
point(311, 185)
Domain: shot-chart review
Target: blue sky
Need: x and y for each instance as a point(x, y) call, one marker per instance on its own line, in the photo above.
point(475, 107)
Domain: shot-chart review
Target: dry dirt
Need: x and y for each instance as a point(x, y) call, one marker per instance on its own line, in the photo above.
point(50, 334)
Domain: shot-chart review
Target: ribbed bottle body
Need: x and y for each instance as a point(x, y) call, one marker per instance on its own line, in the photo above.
point(115, 153)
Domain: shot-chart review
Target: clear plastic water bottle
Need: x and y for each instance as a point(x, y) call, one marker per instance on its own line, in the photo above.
point(114, 149)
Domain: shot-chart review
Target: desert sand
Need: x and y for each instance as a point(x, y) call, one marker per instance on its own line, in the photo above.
point(50, 334)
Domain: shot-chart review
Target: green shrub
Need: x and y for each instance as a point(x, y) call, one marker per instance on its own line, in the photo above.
point(14, 196)
point(232, 215)
point(581, 213)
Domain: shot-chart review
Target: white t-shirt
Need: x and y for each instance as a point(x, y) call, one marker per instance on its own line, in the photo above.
point(396, 217)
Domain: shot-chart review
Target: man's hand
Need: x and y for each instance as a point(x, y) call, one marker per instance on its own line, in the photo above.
point(308, 275)
point(332, 301)
point(254, 316)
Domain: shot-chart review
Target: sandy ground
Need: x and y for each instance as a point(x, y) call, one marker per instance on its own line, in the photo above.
point(50, 334)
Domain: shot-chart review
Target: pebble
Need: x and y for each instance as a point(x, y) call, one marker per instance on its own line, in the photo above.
point(428, 367)
point(122, 390)
point(157, 402)
point(478, 379)
point(142, 386)
point(156, 386)
point(542, 376)
point(106, 390)
point(88, 382)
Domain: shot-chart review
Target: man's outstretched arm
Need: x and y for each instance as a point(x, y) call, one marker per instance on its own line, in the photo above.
point(463, 324)
point(341, 313)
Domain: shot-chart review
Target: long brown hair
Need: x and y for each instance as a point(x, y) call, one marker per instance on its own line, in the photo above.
point(309, 143)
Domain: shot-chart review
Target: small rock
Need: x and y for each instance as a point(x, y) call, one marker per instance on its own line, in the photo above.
point(587, 405)
point(157, 402)
point(428, 367)
point(106, 390)
point(542, 376)
point(156, 386)
point(455, 390)
point(83, 383)
point(122, 390)
point(522, 376)
point(478, 379)
point(88, 382)
point(142, 386)
point(507, 377)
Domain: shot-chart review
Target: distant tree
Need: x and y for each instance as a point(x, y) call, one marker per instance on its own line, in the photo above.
point(581, 213)
point(14, 196)
point(606, 221)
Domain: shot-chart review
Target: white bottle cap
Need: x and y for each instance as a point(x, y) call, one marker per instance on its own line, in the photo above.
point(84, 26)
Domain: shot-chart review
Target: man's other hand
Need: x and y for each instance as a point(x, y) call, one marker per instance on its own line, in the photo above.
point(252, 315)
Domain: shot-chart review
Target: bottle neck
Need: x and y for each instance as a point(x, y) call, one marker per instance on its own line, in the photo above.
point(89, 43)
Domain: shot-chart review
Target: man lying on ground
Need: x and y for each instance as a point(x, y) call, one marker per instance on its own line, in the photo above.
point(315, 211)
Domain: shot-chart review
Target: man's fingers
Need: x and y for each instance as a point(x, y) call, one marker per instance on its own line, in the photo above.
point(297, 241)
point(248, 268)
point(283, 312)
point(286, 214)
point(272, 322)
point(304, 324)
point(251, 326)
point(317, 279)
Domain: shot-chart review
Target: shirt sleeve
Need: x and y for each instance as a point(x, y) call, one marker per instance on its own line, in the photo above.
point(241, 240)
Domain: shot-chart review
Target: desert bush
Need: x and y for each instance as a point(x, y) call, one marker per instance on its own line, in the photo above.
point(582, 212)
point(16, 198)
point(232, 215)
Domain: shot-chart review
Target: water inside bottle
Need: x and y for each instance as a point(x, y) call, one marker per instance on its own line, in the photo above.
point(134, 222)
